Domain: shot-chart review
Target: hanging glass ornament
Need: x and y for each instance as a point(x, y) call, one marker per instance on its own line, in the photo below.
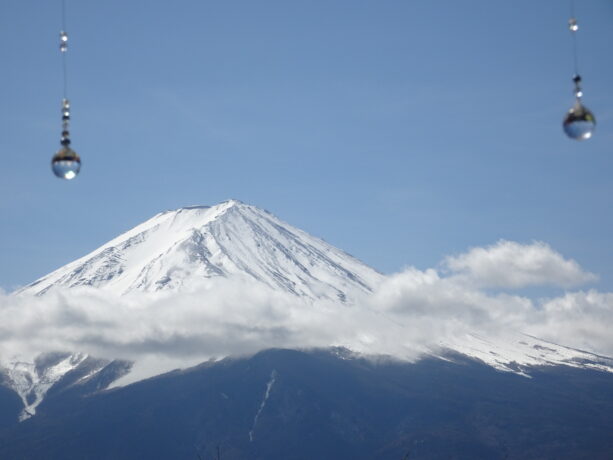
point(579, 123)
point(65, 164)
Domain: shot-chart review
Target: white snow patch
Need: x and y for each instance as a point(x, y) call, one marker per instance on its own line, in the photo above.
point(32, 384)
point(271, 382)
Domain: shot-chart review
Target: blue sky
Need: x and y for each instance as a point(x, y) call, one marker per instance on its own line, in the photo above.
point(401, 132)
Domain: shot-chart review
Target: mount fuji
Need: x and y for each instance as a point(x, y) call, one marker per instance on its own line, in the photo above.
point(179, 250)
point(176, 251)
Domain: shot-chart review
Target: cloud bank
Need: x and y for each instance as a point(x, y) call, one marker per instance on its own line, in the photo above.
point(409, 313)
point(508, 264)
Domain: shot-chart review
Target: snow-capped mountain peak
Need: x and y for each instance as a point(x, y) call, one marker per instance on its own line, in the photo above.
point(176, 249)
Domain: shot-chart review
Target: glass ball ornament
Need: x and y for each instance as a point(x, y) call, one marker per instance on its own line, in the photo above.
point(579, 123)
point(66, 163)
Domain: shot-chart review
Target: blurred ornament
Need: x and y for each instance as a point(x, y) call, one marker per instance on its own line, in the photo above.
point(63, 41)
point(579, 123)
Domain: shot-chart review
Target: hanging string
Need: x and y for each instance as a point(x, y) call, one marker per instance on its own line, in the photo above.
point(63, 49)
point(65, 140)
point(574, 27)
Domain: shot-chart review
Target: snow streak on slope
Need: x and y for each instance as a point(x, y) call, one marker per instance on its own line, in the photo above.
point(34, 379)
point(31, 382)
point(269, 385)
point(181, 248)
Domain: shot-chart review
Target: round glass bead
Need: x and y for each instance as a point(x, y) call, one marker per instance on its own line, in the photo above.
point(66, 164)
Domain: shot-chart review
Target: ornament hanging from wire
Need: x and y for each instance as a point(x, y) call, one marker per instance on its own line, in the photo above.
point(579, 123)
point(65, 164)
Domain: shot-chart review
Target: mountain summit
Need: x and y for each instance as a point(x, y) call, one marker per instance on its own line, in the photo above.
point(177, 249)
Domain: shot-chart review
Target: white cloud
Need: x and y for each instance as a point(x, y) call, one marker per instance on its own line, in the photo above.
point(162, 331)
point(409, 313)
point(579, 319)
point(508, 264)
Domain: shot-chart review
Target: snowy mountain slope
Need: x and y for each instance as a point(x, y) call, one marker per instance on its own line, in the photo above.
point(176, 249)
point(33, 380)
point(515, 352)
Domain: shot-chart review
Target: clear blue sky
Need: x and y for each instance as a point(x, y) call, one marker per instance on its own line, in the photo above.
point(398, 131)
